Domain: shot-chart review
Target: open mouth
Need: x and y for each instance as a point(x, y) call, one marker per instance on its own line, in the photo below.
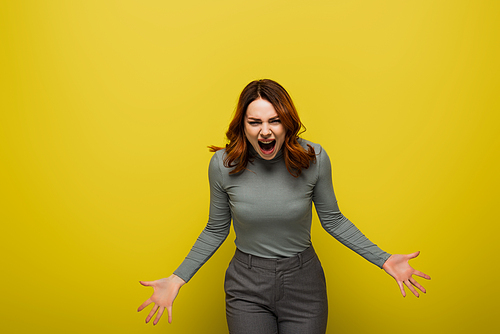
point(267, 147)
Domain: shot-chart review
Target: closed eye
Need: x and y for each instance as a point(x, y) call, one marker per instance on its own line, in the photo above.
point(271, 121)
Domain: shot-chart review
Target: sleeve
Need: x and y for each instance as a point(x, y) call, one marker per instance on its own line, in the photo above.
point(217, 228)
point(335, 223)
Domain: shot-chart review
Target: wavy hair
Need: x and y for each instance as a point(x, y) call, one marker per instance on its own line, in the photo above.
point(237, 150)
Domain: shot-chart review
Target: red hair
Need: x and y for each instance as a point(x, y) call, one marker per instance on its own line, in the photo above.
point(237, 151)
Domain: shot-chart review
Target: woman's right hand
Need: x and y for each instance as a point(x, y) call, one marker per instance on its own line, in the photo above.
point(165, 291)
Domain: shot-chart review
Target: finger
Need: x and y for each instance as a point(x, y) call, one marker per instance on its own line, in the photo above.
point(158, 315)
point(412, 289)
point(146, 303)
point(421, 274)
point(169, 310)
point(146, 283)
point(413, 255)
point(401, 287)
point(417, 285)
point(153, 311)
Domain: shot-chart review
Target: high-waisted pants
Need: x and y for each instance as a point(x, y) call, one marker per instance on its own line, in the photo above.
point(270, 296)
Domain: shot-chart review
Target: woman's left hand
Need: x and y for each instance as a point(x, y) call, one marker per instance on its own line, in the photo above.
point(398, 267)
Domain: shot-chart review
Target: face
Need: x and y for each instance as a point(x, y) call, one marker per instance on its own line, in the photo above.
point(263, 128)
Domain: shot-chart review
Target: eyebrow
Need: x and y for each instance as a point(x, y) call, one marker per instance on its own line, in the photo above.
point(258, 119)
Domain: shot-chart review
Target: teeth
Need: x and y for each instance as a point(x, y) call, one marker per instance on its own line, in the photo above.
point(266, 142)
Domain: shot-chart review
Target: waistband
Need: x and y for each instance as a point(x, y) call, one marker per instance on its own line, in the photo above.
point(276, 264)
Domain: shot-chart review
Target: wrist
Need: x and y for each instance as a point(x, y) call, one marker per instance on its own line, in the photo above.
point(387, 263)
point(176, 279)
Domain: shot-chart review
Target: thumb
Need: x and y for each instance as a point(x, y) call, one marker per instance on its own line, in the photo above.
point(146, 283)
point(413, 255)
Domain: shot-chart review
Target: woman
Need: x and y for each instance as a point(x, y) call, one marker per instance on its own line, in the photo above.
point(265, 180)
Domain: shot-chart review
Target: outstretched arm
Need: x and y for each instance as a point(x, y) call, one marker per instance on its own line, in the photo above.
point(218, 226)
point(334, 222)
point(398, 267)
point(216, 231)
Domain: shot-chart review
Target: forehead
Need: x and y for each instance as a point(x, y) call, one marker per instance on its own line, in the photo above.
point(261, 109)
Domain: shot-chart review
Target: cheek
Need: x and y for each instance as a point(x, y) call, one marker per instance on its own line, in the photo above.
point(282, 134)
point(249, 134)
point(280, 139)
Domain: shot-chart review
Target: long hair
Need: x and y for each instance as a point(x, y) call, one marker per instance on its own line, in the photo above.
point(237, 153)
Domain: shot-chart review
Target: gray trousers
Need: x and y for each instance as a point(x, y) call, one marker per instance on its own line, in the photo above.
point(270, 296)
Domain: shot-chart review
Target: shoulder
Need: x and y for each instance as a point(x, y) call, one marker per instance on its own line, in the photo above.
point(322, 159)
point(217, 159)
point(215, 168)
point(219, 154)
point(318, 149)
point(217, 162)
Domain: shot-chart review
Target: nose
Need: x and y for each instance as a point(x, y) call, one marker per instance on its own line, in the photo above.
point(265, 131)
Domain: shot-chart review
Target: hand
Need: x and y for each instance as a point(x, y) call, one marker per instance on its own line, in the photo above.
point(165, 291)
point(398, 267)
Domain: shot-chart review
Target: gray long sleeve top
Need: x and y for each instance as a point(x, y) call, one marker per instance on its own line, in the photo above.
point(272, 211)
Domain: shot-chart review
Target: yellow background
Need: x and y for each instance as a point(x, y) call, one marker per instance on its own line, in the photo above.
point(107, 108)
